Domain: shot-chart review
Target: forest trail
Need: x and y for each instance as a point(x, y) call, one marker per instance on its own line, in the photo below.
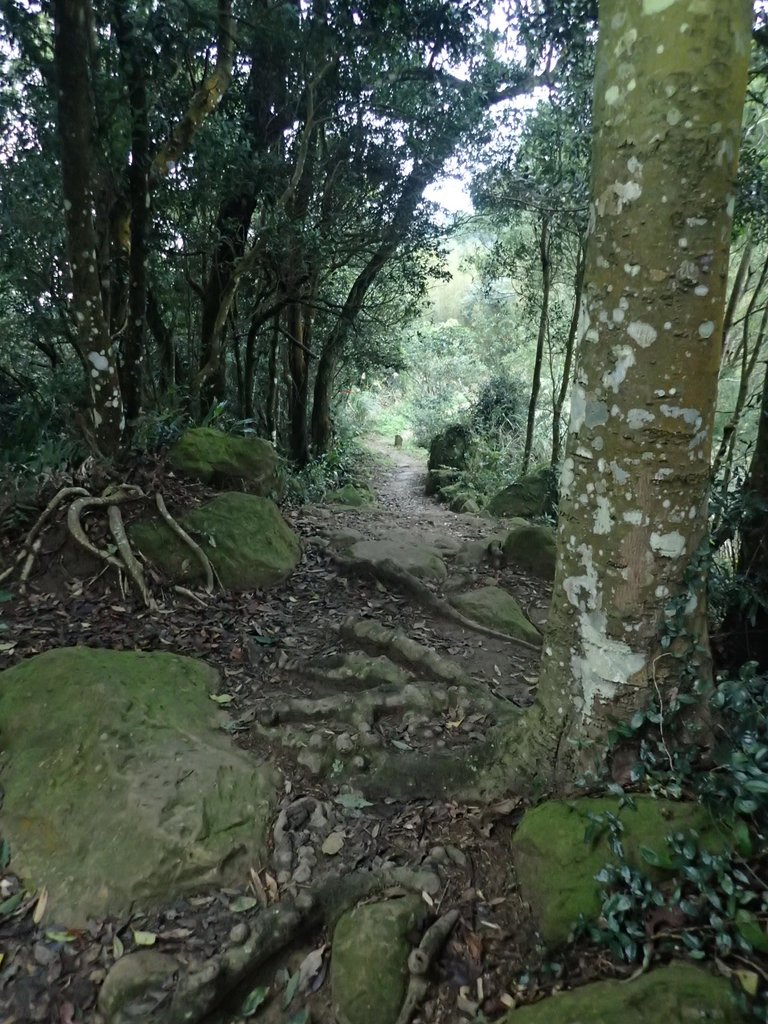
point(376, 709)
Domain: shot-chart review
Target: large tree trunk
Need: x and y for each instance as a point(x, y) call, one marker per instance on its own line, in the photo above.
point(628, 617)
point(75, 116)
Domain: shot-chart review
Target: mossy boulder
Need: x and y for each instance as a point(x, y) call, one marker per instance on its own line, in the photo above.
point(530, 496)
point(134, 984)
point(448, 451)
point(556, 868)
point(421, 560)
point(465, 503)
point(357, 495)
point(369, 961)
point(495, 608)
point(532, 548)
point(225, 461)
point(120, 785)
point(677, 994)
point(249, 543)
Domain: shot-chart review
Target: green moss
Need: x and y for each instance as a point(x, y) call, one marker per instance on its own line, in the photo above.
point(247, 540)
point(356, 495)
point(221, 459)
point(119, 784)
point(495, 608)
point(369, 964)
point(556, 868)
point(529, 496)
point(677, 994)
point(532, 547)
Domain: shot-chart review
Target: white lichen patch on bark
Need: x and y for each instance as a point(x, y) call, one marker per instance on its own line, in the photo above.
point(668, 545)
point(99, 361)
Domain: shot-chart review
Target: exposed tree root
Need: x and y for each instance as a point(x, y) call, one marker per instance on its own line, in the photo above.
point(421, 960)
point(31, 545)
point(398, 645)
point(388, 571)
point(416, 696)
point(202, 987)
point(134, 570)
point(182, 534)
point(125, 560)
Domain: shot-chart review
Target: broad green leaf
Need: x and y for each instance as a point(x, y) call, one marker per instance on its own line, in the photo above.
point(242, 903)
point(12, 903)
point(254, 1000)
point(144, 938)
point(291, 989)
point(352, 801)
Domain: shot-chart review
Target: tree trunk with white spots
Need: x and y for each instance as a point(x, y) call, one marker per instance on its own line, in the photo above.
point(628, 616)
point(75, 116)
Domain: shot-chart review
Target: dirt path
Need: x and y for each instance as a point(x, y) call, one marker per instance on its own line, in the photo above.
point(371, 767)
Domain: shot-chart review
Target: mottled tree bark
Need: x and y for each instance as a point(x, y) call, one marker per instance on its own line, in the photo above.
point(669, 91)
point(75, 117)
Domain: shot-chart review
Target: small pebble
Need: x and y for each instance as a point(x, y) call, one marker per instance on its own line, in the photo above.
point(344, 743)
point(239, 933)
point(303, 873)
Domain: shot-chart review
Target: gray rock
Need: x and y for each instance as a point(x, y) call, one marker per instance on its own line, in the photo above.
point(134, 985)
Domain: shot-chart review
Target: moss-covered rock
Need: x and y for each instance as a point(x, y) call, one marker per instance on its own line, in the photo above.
point(556, 868)
point(529, 496)
point(448, 451)
point(495, 608)
point(247, 540)
point(532, 548)
point(421, 560)
point(357, 495)
point(134, 984)
point(369, 962)
point(120, 786)
point(463, 502)
point(677, 994)
point(225, 461)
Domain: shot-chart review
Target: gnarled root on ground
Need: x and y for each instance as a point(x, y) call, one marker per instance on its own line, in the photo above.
point(387, 571)
point(124, 560)
point(202, 987)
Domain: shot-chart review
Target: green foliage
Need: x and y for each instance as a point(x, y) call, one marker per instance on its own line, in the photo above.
point(715, 904)
point(344, 464)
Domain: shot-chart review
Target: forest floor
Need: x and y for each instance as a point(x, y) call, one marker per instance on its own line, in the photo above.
point(264, 645)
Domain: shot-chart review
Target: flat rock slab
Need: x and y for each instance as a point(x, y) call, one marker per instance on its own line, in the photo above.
point(223, 460)
point(369, 963)
point(249, 544)
point(120, 785)
point(420, 560)
point(556, 868)
point(676, 994)
point(495, 608)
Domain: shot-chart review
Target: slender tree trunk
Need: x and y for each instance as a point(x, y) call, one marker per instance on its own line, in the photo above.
point(139, 201)
point(746, 631)
point(272, 380)
point(169, 368)
point(628, 617)
point(570, 347)
point(546, 283)
point(748, 362)
point(298, 366)
point(75, 116)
